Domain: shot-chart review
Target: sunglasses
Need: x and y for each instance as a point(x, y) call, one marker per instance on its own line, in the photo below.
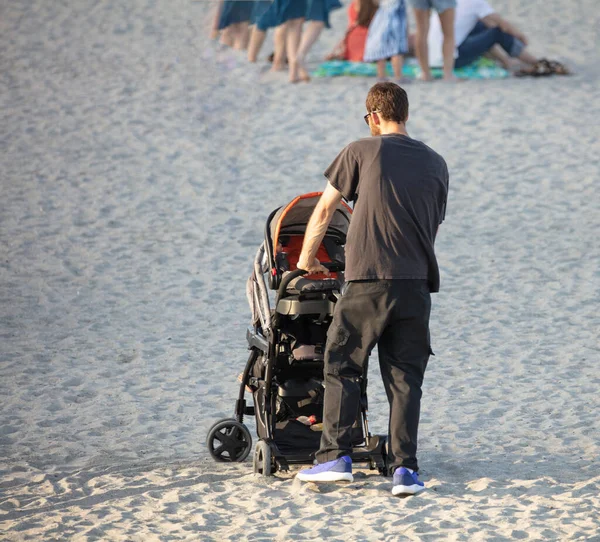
point(366, 117)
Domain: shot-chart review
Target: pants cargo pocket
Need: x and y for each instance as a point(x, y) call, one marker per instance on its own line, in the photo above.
point(336, 351)
point(338, 335)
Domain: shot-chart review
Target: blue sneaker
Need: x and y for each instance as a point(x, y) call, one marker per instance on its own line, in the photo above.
point(406, 482)
point(333, 471)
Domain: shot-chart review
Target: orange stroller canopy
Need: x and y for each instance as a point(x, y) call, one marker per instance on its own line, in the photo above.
point(293, 218)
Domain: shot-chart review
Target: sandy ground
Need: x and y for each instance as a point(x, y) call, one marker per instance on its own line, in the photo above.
point(138, 164)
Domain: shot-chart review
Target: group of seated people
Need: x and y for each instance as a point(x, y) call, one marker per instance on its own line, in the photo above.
point(478, 31)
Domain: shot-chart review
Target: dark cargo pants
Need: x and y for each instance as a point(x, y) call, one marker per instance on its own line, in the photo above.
point(394, 315)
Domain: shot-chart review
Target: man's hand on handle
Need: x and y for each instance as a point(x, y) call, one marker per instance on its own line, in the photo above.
point(312, 267)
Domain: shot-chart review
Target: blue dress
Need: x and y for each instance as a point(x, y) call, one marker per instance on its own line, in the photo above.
point(388, 33)
point(259, 8)
point(235, 11)
point(281, 11)
point(318, 10)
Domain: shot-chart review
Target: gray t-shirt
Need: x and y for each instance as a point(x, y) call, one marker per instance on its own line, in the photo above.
point(399, 187)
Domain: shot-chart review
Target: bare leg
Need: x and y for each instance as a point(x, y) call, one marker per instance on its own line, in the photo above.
point(280, 48)
point(214, 32)
point(381, 75)
point(508, 63)
point(257, 38)
point(227, 36)
point(397, 63)
point(235, 35)
point(447, 22)
point(527, 58)
point(241, 36)
point(421, 49)
point(294, 33)
point(245, 35)
point(311, 34)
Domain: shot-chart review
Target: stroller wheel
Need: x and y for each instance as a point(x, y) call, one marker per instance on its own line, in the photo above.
point(263, 459)
point(229, 441)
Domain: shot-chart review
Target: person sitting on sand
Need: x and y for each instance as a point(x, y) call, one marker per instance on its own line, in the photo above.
point(478, 30)
point(352, 46)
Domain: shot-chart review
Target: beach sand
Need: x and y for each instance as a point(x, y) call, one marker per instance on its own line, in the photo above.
point(139, 163)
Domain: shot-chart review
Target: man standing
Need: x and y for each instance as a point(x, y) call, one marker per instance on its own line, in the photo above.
point(399, 188)
point(445, 9)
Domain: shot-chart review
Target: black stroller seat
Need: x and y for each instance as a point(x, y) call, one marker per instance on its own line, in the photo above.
point(302, 285)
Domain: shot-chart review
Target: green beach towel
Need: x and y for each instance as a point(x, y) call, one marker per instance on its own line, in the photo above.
point(484, 68)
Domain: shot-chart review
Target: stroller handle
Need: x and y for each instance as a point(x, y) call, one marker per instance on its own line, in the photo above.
point(334, 267)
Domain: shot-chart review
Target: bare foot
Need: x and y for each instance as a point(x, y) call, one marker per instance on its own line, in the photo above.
point(511, 64)
point(425, 78)
point(304, 76)
point(294, 72)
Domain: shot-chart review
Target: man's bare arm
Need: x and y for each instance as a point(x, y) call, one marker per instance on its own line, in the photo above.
point(494, 20)
point(316, 229)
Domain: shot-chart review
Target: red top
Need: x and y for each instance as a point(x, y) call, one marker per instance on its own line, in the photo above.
point(356, 36)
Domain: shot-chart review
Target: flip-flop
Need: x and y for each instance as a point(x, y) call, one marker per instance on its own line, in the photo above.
point(540, 69)
point(558, 68)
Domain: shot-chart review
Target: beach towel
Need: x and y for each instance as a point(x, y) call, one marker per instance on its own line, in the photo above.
point(483, 68)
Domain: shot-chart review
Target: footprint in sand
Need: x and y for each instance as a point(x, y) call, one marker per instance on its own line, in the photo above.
point(479, 485)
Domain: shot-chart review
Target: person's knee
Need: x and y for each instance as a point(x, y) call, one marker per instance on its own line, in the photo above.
point(448, 40)
point(341, 365)
point(497, 32)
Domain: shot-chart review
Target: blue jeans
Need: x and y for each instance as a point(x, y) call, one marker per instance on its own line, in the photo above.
point(481, 39)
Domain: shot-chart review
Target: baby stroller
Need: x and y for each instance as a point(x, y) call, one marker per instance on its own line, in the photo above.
point(284, 371)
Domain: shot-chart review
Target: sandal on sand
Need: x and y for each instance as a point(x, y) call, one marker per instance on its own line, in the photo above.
point(558, 68)
point(540, 69)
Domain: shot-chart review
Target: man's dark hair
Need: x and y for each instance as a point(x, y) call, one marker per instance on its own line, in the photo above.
point(390, 99)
